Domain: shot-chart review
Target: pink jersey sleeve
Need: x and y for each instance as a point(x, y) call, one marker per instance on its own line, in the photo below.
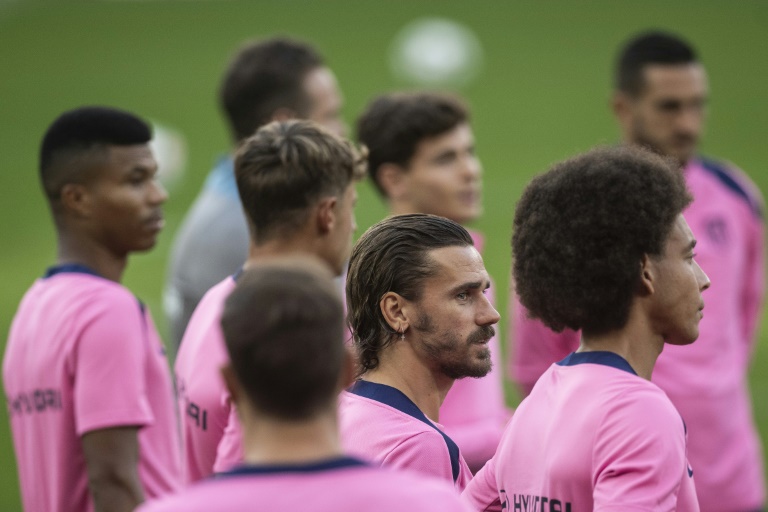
point(230, 450)
point(482, 493)
point(110, 360)
point(533, 347)
point(639, 461)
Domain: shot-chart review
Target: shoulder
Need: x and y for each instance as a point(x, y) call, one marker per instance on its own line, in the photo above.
point(384, 489)
point(735, 181)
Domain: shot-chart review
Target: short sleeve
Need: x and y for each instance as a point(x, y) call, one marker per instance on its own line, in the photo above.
point(640, 455)
point(482, 493)
point(110, 364)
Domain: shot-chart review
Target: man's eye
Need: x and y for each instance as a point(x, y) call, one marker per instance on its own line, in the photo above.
point(462, 296)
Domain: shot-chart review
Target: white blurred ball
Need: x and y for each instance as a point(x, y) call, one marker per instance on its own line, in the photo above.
point(170, 150)
point(436, 51)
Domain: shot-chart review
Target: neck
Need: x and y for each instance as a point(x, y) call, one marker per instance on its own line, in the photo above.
point(281, 247)
point(400, 367)
point(636, 343)
point(85, 251)
point(275, 441)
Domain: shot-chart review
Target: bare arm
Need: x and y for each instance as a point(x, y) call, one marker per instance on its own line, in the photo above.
point(112, 459)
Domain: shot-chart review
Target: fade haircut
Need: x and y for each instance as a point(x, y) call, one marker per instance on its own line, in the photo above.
point(393, 125)
point(646, 49)
point(283, 327)
point(581, 231)
point(392, 256)
point(263, 77)
point(84, 132)
point(285, 168)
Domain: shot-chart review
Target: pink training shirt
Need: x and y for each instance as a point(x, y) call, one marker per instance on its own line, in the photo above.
point(203, 400)
point(337, 485)
point(83, 355)
point(474, 412)
point(592, 435)
point(706, 381)
point(380, 424)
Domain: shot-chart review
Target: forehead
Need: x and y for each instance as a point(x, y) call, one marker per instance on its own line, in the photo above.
point(457, 137)
point(680, 236)
point(674, 80)
point(456, 265)
point(117, 160)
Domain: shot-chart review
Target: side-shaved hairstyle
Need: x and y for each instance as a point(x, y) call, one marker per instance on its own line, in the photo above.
point(392, 256)
point(283, 327)
point(581, 231)
point(265, 76)
point(645, 49)
point(393, 125)
point(285, 168)
point(81, 134)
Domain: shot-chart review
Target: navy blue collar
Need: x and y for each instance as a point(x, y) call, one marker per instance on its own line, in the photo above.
point(599, 357)
point(396, 399)
point(313, 467)
point(71, 268)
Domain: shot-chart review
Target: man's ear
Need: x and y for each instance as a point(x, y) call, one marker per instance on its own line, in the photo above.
point(231, 382)
point(395, 308)
point(647, 275)
point(622, 106)
point(325, 214)
point(76, 198)
point(393, 180)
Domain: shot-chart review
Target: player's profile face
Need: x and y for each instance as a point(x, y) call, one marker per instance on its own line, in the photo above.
point(444, 176)
point(345, 228)
point(453, 320)
point(678, 286)
point(669, 113)
point(325, 99)
point(126, 199)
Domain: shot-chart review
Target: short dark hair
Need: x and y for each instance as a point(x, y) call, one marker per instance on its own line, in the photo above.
point(283, 327)
point(581, 231)
point(647, 48)
point(392, 256)
point(78, 132)
point(262, 77)
point(393, 125)
point(286, 167)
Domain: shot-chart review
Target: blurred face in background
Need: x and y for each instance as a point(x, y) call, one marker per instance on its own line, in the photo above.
point(444, 177)
point(326, 101)
point(668, 114)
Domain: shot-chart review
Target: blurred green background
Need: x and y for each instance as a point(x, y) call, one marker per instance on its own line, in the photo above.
point(542, 94)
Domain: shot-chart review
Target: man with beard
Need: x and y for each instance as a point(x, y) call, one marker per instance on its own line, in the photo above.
point(420, 319)
point(660, 100)
point(422, 160)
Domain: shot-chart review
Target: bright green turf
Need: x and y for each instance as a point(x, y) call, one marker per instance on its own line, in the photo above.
point(543, 96)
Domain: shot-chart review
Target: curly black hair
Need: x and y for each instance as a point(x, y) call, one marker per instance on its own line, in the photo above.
point(581, 230)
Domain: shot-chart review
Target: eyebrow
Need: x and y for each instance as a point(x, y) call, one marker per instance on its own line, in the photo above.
point(691, 245)
point(472, 285)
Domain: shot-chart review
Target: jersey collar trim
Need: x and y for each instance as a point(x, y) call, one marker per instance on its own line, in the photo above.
point(314, 467)
point(396, 399)
point(599, 357)
point(70, 268)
